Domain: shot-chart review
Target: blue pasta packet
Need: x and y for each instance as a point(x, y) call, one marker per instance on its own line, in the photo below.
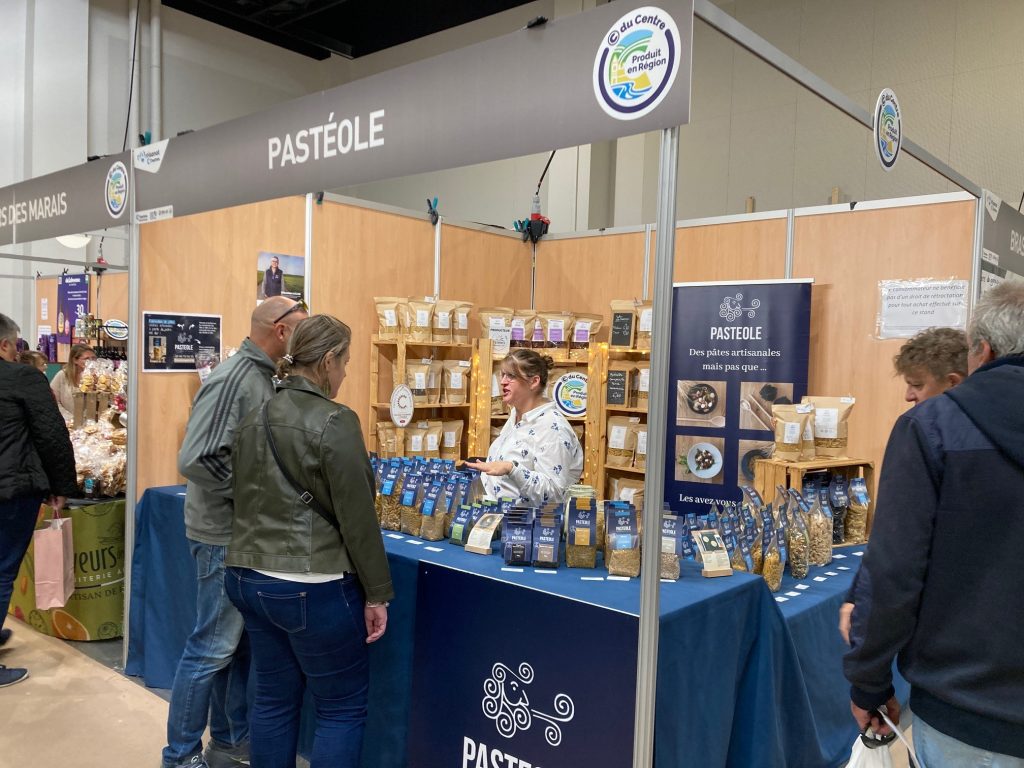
point(622, 551)
point(581, 533)
point(547, 539)
point(671, 546)
point(389, 512)
point(432, 511)
point(517, 536)
point(462, 523)
point(409, 504)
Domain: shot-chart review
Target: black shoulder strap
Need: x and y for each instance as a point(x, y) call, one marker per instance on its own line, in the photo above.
point(305, 496)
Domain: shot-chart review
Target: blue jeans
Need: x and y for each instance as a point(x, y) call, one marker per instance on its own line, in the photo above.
point(211, 680)
point(311, 635)
point(17, 522)
point(937, 750)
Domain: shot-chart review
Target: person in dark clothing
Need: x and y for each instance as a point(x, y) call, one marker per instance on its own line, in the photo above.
point(930, 363)
point(943, 572)
point(273, 279)
point(36, 463)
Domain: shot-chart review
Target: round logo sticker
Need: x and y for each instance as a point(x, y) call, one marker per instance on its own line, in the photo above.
point(888, 127)
point(117, 189)
point(401, 405)
point(570, 394)
point(636, 63)
point(116, 329)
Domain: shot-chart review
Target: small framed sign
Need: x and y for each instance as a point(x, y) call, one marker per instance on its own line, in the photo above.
point(615, 393)
point(714, 553)
point(623, 327)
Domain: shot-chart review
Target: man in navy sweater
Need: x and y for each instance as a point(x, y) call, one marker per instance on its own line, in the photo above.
point(945, 563)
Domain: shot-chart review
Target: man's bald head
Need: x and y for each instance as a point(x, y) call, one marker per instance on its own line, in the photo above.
point(270, 336)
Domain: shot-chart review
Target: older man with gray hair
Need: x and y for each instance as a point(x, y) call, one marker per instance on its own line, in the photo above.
point(945, 565)
point(36, 462)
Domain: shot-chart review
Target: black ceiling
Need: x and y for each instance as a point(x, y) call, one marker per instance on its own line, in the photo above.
point(352, 28)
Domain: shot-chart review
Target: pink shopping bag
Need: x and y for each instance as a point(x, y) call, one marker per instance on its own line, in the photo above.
point(54, 563)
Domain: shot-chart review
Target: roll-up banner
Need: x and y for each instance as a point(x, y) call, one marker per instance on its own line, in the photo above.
point(618, 69)
point(72, 303)
point(1002, 243)
point(737, 349)
point(78, 199)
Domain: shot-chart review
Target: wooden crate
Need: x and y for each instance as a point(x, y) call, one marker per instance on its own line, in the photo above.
point(769, 473)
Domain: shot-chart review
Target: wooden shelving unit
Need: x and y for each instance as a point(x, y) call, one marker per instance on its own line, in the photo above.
point(382, 384)
point(604, 360)
point(768, 473)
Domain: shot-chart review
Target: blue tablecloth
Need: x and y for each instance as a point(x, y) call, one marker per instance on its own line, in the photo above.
point(745, 678)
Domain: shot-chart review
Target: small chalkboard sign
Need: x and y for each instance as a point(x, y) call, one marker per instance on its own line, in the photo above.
point(617, 386)
point(622, 329)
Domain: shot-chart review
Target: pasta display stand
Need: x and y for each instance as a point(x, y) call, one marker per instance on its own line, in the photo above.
point(771, 473)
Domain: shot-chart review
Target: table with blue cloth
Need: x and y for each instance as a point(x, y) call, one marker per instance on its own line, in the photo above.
point(745, 678)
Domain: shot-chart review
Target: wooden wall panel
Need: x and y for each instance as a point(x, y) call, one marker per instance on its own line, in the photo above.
point(847, 254)
point(360, 253)
point(113, 295)
point(747, 250)
point(584, 274)
point(490, 270)
point(203, 264)
point(46, 288)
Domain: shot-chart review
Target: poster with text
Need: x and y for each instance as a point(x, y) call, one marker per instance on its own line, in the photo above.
point(175, 342)
point(72, 303)
point(737, 350)
point(278, 274)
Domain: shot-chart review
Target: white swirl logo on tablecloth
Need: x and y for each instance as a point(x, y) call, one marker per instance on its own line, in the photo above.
point(508, 705)
point(636, 63)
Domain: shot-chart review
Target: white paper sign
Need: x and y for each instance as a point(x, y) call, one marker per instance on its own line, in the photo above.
point(911, 306)
point(44, 310)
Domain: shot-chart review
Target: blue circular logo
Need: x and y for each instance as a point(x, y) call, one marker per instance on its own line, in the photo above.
point(888, 129)
point(116, 189)
point(636, 63)
point(570, 394)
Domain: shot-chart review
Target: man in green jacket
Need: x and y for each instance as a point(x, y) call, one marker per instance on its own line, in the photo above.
point(207, 685)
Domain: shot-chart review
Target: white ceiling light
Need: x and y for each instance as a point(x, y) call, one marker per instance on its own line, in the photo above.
point(74, 241)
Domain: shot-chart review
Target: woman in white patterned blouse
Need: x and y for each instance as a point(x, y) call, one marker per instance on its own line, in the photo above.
point(537, 455)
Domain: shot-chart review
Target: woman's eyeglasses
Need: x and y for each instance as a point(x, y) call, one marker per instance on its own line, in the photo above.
point(299, 306)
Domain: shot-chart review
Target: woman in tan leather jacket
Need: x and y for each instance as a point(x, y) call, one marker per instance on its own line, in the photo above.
point(307, 567)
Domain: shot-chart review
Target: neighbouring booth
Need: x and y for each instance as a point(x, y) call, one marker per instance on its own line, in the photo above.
point(728, 379)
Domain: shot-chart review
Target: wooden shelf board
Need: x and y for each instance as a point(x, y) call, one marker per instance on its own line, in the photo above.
point(625, 409)
point(630, 470)
point(421, 407)
point(450, 344)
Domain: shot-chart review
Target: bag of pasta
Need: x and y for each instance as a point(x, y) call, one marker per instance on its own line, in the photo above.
point(671, 546)
point(432, 512)
point(581, 540)
point(857, 513)
point(441, 323)
point(409, 504)
point(390, 498)
point(388, 309)
point(456, 382)
point(524, 321)
point(460, 322)
point(418, 316)
point(584, 333)
point(622, 547)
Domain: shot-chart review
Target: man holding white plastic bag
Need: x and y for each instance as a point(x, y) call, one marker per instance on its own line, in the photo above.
point(36, 462)
point(944, 567)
